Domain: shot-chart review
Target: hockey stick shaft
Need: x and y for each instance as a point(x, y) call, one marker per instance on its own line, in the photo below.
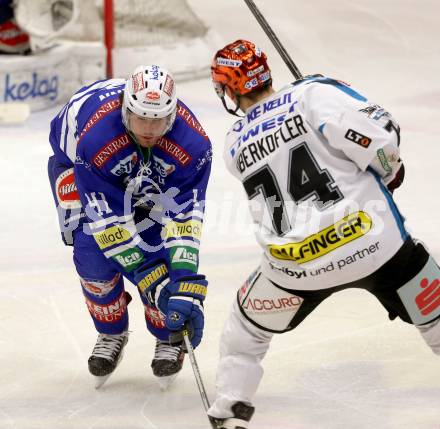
point(197, 375)
point(274, 39)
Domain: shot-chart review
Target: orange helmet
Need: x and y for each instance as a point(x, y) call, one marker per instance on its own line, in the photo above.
point(240, 66)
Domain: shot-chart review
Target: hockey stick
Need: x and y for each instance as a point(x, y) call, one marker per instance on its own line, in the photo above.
point(197, 375)
point(274, 39)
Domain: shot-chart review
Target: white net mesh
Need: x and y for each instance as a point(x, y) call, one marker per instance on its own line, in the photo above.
point(67, 39)
point(138, 22)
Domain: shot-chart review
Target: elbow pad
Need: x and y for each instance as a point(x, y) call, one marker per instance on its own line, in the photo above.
point(387, 163)
point(398, 179)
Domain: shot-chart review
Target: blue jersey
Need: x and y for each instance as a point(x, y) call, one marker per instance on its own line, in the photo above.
point(136, 204)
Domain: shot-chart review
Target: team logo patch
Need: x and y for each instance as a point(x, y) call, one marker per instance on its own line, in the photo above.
point(152, 95)
point(358, 138)
point(125, 166)
point(169, 86)
point(349, 228)
point(66, 190)
point(164, 168)
point(137, 82)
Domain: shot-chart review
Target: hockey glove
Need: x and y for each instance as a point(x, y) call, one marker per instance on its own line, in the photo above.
point(182, 302)
point(149, 276)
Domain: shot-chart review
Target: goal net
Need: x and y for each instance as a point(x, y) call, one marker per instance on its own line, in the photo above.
point(131, 32)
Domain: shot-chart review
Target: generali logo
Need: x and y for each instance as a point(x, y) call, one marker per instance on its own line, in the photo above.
point(429, 299)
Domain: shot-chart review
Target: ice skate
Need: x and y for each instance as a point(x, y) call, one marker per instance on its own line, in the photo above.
point(106, 355)
point(167, 363)
point(242, 416)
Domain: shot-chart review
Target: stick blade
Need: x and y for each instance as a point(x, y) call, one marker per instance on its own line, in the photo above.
point(14, 113)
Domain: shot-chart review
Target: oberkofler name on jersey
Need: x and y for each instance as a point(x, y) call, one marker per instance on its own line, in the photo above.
point(263, 147)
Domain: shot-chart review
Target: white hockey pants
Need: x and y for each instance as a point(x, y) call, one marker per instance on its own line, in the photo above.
point(239, 372)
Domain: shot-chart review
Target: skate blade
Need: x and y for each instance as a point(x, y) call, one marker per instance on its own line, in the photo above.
point(100, 380)
point(165, 382)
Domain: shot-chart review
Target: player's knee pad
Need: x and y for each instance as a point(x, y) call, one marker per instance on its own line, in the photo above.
point(266, 305)
point(107, 303)
point(431, 334)
point(99, 288)
point(421, 295)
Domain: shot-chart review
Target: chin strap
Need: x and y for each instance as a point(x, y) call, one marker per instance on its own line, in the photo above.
point(145, 151)
point(232, 112)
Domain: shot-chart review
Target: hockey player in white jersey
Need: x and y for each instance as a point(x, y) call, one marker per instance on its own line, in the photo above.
point(319, 163)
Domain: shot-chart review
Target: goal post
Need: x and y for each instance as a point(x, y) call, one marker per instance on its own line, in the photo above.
point(109, 36)
point(132, 32)
point(76, 42)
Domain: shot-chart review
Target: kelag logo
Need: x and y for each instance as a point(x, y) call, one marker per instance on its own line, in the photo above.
point(36, 87)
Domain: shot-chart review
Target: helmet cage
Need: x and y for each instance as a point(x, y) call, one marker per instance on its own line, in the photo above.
point(168, 122)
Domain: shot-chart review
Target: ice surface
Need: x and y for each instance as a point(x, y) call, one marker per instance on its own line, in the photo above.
point(346, 366)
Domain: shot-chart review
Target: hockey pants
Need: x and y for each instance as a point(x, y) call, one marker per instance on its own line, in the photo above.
point(243, 344)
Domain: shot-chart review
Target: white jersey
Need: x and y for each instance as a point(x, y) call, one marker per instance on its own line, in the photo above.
point(314, 159)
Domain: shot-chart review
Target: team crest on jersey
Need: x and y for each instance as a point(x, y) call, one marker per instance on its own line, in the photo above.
point(125, 166)
point(162, 167)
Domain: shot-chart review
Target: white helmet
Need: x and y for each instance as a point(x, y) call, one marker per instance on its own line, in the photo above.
point(150, 93)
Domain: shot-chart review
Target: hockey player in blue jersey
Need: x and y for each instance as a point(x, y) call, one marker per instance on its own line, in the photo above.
point(129, 174)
